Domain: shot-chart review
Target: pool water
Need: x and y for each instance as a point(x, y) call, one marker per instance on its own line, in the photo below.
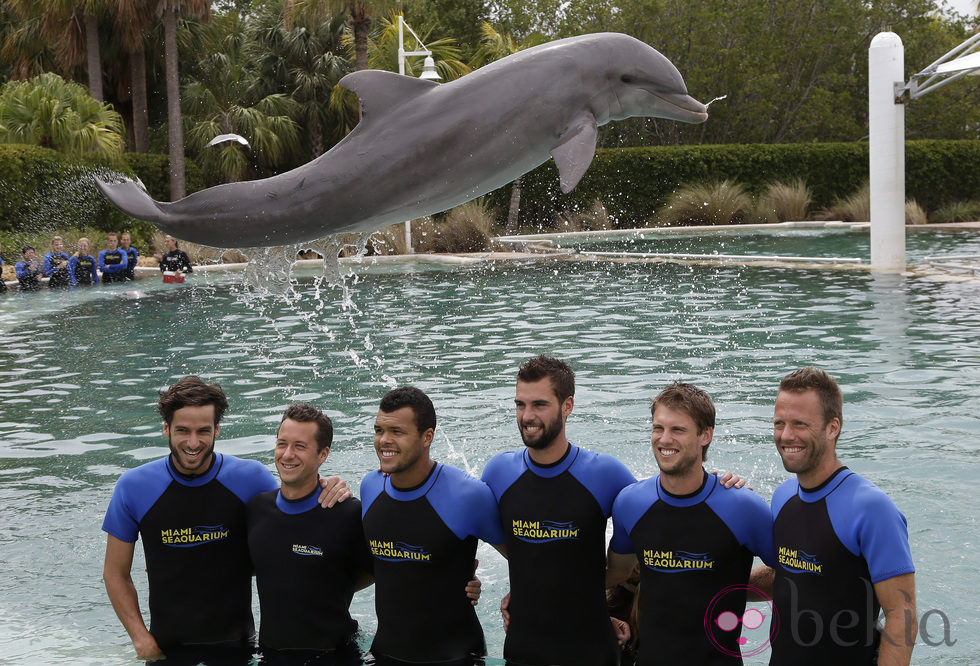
point(80, 372)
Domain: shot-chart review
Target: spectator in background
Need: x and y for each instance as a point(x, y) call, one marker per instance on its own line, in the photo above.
point(81, 265)
point(174, 259)
point(125, 244)
point(113, 261)
point(55, 266)
point(28, 271)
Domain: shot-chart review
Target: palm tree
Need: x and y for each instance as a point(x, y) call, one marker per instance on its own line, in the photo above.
point(133, 20)
point(51, 112)
point(175, 131)
point(360, 12)
point(304, 59)
point(220, 98)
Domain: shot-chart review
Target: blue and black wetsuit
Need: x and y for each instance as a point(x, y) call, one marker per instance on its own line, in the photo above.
point(3, 285)
point(423, 541)
point(112, 264)
point(690, 548)
point(55, 268)
point(82, 269)
point(833, 543)
point(131, 259)
point(28, 274)
point(307, 561)
point(193, 532)
point(555, 520)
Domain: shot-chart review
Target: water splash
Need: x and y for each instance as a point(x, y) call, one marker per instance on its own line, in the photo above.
point(716, 99)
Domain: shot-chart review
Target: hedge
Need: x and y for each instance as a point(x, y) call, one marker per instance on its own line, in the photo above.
point(632, 183)
point(41, 189)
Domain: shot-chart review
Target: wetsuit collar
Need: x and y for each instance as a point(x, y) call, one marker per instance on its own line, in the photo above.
point(301, 505)
point(555, 468)
point(418, 491)
point(708, 485)
point(199, 479)
point(825, 488)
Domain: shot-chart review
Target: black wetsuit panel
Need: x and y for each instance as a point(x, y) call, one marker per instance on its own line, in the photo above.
point(307, 560)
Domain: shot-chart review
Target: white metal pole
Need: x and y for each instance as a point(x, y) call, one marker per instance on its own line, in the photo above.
point(401, 70)
point(886, 147)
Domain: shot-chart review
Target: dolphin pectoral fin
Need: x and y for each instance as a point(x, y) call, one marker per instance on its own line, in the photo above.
point(378, 90)
point(575, 150)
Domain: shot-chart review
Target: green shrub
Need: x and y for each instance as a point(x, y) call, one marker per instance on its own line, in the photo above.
point(722, 202)
point(633, 183)
point(855, 207)
point(784, 202)
point(594, 219)
point(957, 211)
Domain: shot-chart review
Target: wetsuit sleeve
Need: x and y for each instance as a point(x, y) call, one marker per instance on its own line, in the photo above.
point(101, 261)
point(748, 517)
point(187, 262)
point(371, 487)
point(879, 531)
point(502, 471)
point(467, 506)
point(23, 269)
point(135, 493)
point(627, 509)
point(605, 479)
point(95, 272)
point(245, 478)
point(48, 270)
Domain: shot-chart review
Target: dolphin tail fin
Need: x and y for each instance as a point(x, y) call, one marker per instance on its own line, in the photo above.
point(575, 150)
point(131, 197)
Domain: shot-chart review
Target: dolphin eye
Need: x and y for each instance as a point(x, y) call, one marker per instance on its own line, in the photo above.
point(626, 78)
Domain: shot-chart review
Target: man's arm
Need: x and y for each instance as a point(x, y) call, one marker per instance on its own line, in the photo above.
point(897, 598)
point(119, 585)
point(618, 567)
point(761, 578)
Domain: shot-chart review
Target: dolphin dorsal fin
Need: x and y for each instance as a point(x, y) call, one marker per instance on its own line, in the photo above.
point(378, 90)
point(575, 149)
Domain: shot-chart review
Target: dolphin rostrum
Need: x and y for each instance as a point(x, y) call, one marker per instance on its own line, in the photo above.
point(421, 148)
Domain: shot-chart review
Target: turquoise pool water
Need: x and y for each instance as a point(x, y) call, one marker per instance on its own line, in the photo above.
point(79, 372)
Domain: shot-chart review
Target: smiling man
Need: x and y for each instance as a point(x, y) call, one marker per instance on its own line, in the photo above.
point(554, 501)
point(308, 560)
point(692, 537)
point(422, 520)
point(842, 544)
point(189, 510)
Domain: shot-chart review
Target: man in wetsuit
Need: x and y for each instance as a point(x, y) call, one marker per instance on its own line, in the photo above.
point(125, 244)
point(189, 509)
point(82, 266)
point(174, 259)
point(422, 520)
point(55, 266)
point(692, 537)
point(27, 270)
point(113, 262)
point(308, 560)
point(554, 500)
point(841, 544)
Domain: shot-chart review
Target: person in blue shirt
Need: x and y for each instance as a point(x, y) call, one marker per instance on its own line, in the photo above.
point(55, 266)
point(82, 265)
point(125, 244)
point(113, 262)
point(842, 546)
point(28, 270)
point(693, 539)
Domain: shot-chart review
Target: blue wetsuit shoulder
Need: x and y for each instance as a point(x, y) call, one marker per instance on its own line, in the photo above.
point(467, 506)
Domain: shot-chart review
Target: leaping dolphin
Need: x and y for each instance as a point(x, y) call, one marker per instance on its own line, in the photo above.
point(421, 148)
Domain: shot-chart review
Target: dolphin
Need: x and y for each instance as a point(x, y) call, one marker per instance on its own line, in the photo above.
point(422, 147)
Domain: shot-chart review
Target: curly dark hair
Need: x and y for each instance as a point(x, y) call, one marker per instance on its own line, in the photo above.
point(191, 391)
